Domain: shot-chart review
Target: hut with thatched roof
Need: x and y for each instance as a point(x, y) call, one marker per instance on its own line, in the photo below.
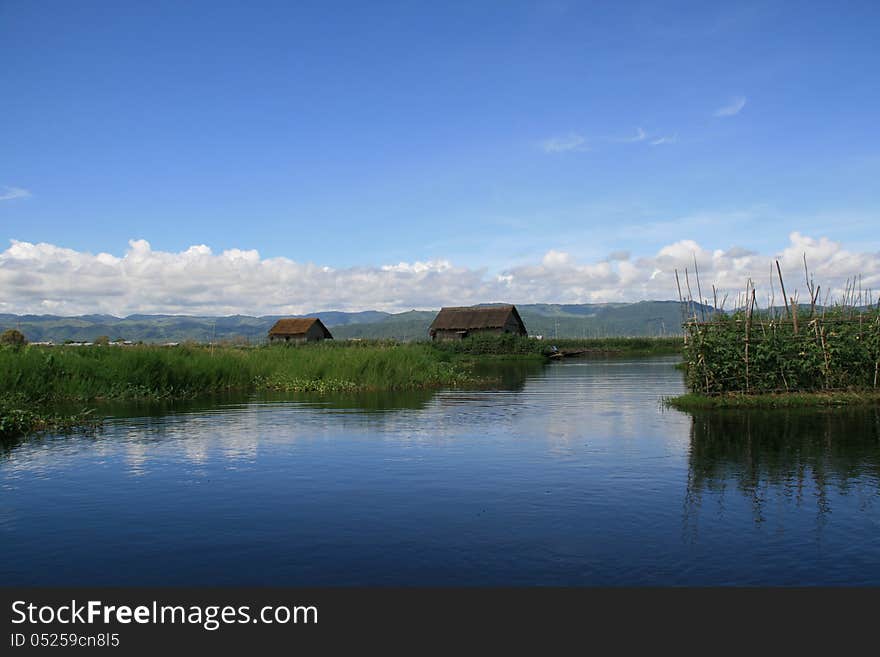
point(298, 330)
point(458, 323)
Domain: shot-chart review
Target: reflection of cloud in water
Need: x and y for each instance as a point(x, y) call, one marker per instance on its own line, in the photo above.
point(564, 405)
point(577, 464)
point(559, 406)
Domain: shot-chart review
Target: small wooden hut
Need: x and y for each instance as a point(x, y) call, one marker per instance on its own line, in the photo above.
point(298, 330)
point(458, 323)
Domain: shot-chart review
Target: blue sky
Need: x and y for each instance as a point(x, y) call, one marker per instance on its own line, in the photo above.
point(482, 133)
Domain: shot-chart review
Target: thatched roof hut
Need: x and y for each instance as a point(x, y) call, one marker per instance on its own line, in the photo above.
point(456, 323)
point(299, 329)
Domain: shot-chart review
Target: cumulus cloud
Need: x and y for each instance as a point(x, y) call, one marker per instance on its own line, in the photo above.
point(732, 108)
point(49, 279)
point(9, 193)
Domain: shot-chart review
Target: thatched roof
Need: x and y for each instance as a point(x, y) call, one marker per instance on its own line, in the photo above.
point(297, 326)
point(474, 317)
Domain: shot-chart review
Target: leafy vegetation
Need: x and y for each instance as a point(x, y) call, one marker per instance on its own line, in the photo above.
point(145, 372)
point(489, 345)
point(12, 338)
point(644, 346)
point(35, 378)
point(18, 416)
point(756, 355)
point(695, 401)
point(482, 345)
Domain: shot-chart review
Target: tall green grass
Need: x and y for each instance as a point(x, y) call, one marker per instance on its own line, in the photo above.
point(42, 375)
point(643, 346)
point(508, 344)
point(505, 344)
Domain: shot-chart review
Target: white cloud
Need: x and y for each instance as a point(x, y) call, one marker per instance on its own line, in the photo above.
point(659, 141)
point(418, 267)
point(9, 193)
point(564, 144)
point(640, 135)
point(577, 142)
point(45, 278)
point(732, 108)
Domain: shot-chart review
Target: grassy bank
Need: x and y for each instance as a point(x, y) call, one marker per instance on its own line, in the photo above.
point(623, 346)
point(35, 379)
point(144, 372)
point(694, 401)
point(512, 344)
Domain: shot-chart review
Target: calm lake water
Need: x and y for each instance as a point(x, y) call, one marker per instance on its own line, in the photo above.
point(573, 474)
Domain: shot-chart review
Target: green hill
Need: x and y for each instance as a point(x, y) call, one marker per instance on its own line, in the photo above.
point(645, 318)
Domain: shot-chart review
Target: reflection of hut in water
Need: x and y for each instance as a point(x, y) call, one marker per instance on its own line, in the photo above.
point(794, 455)
point(297, 330)
point(457, 323)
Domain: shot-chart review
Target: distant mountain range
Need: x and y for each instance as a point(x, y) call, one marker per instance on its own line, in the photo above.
point(645, 318)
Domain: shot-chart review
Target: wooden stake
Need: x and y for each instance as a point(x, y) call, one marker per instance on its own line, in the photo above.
point(827, 359)
point(748, 335)
point(699, 290)
point(687, 280)
point(782, 285)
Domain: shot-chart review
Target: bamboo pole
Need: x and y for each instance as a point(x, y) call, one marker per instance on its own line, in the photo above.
point(687, 280)
point(826, 357)
point(699, 289)
point(782, 285)
point(772, 294)
point(749, 308)
point(680, 300)
point(811, 287)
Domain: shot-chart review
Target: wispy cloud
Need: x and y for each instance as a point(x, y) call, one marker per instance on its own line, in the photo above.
point(659, 141)
point(577, 142)
point(732, 108)
point(564, 144)
point(640, 135)
point(9, 193)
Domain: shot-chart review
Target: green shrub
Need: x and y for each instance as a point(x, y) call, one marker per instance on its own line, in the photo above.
point(13, 338)
point(837, 352)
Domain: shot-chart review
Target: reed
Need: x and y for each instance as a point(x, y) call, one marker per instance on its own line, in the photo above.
point(43, 375)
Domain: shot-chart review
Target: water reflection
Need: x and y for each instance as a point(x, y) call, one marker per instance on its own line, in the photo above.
point(803, 457)
point(571, 474)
